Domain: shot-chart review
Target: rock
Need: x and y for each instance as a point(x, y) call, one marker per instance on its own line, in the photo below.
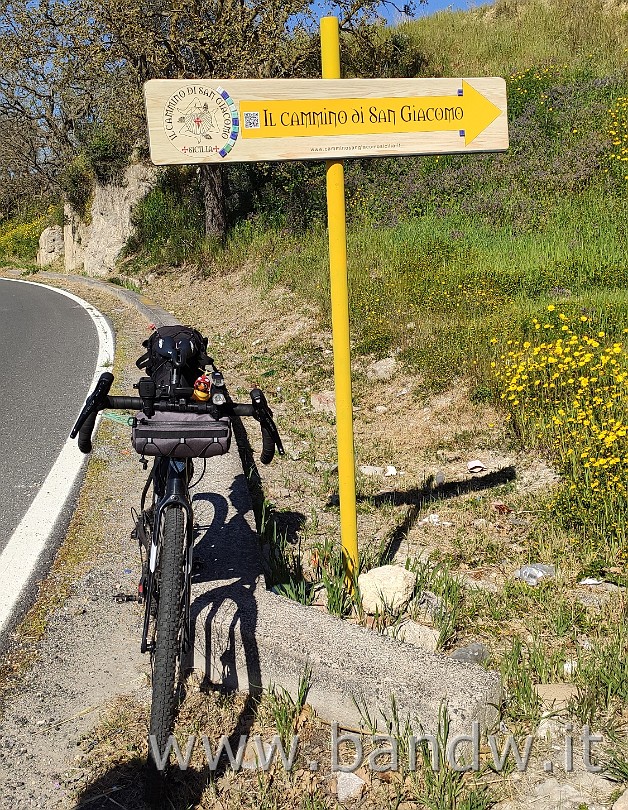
point(324, 402)
point(439, 478)
point(250, 761)
point(591, 601)
point(475, 653)
point(368, 469)
point(380, 409)
point(383, 370)
point(475, 466)
point(51, 247)
point(481, 584)
point(548, 728)
point(387, 587)
point(533, 573)
point(390, 470)
point(349, 786)
point(324, 466)
point(431, 604)
point(319, 596)
point(95, 247)
point(622, 802)
point(480, 523)
point(414, 633)
point(556, 696)
point(557, 795)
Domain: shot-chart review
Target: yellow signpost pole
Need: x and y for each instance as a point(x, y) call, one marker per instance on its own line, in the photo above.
point(330, 47)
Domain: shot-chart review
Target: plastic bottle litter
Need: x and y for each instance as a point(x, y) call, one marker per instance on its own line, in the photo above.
point(533, 573)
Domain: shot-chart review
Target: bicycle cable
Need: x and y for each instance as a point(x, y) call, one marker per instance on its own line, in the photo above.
point(200, 478)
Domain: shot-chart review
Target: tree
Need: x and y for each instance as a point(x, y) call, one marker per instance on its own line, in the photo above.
point(70, 67)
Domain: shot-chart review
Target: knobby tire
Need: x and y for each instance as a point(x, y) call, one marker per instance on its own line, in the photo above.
point(166, 662)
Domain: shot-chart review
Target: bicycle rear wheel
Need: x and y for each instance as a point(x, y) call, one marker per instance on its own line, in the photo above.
point(168, 630)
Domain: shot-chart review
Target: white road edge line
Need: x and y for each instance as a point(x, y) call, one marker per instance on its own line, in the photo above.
point(18, 560)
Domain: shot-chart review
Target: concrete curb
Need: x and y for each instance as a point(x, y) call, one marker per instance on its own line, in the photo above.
point(246, 637)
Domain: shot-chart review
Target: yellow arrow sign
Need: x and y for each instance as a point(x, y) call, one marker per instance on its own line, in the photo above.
point(468, 112)
point(235, 120)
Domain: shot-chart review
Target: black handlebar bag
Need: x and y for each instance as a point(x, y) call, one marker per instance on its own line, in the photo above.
point(181, 435)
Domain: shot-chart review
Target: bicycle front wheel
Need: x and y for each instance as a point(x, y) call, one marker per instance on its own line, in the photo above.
point(168, 630)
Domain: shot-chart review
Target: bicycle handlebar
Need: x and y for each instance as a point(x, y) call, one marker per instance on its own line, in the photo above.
point(99, 399)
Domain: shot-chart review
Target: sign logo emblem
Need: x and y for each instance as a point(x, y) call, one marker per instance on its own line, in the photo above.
point(201, 120)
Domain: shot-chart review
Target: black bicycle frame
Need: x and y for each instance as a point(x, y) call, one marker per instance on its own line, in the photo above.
point(171, 478)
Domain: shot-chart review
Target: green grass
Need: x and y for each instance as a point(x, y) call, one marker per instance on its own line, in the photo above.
point(456, 294)
point(286, 710)
point(515, 34)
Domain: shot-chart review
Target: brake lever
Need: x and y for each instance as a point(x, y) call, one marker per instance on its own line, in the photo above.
point(96, 401)
point(265, 416)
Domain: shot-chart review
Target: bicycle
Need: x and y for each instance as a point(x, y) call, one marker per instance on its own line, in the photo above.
point(164, 530)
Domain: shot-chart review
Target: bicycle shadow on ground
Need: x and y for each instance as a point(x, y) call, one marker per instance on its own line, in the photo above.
point(124, 786)
point(226, 571)
point(121, 786)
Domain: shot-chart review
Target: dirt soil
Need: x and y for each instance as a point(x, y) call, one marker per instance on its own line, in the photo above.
point(74, 685)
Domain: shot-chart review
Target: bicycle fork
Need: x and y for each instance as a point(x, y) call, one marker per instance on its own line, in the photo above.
point(175, 495)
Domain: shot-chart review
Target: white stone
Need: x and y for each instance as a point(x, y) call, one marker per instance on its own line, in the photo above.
point(380, 409)
point(414, 633)
point(349, 786)
point(50, 246)
point(369, 469)
point(387, 587)
point(382, 370)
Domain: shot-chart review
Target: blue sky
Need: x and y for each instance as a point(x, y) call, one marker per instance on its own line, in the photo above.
point(438, 5)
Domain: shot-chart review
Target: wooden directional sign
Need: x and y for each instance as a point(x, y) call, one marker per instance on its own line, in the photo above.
point(231, 121)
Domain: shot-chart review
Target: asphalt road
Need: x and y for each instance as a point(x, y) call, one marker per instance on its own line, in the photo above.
point(48, 355)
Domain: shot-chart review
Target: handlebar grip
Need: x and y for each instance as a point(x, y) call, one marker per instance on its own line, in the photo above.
point(240, 409)
point(268, 445)
point(85, 433)
point(125, 403)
